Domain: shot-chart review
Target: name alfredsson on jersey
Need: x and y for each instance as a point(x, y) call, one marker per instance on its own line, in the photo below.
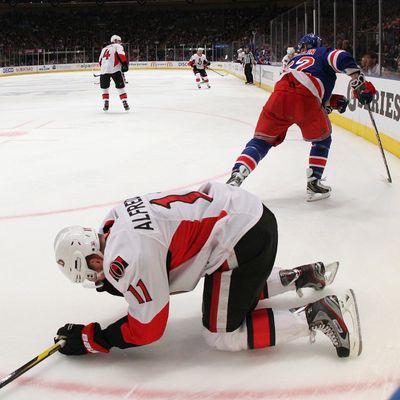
point(140, 217)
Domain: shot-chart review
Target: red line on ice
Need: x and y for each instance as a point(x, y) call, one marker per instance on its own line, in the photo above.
point(111, 203)
point(217, 394)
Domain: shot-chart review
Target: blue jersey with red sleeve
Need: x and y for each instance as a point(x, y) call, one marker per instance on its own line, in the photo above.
point(322, 63)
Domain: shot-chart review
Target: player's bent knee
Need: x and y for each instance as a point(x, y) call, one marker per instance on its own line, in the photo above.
point(227, 341)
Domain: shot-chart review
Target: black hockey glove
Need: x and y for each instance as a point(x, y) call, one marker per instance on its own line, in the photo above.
point(105, 286)
point(363, 90)
point(124, 67)
point(82, 339)
point(337, 102)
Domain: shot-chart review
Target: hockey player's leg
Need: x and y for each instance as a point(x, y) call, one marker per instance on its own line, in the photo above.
point(105, 85)
point(270, 131)
point(106, 101)
point(261, 328)
point(197, 75)
point(316, 276)
point(120, 86)
point(204, 77)
point(317, 161)
point(124, 98)
point(252, 154)
point(232, 291)
point(266, 327)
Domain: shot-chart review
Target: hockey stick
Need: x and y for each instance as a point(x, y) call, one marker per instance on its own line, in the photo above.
point(216, 72)
point(96, 76)
point(26, 367)
point(380, 143)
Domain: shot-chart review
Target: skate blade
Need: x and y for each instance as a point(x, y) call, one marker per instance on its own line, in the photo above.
point(311, 196)
point(330, 272)
point(349, 307)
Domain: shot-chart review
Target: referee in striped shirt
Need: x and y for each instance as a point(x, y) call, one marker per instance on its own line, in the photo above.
point(248, 62)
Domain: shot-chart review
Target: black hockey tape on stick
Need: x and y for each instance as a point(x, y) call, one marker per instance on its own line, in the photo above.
point(96, 76)
point(26, 367)
point(379, 143)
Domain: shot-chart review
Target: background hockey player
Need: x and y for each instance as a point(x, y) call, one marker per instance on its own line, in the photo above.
point(290, 53)
point(158, 244)
point(199, 63)
point(303, 96)
point(248, 62)
point(240, 55)
point(113, 63)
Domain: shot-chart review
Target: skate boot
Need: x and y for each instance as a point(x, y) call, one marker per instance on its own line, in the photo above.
point(238, 176)
point(106, 105)
point(199, 86)
point(208, 85)
point(315, 189)
point(315, 276)
point(327, 316)
point(126, 105)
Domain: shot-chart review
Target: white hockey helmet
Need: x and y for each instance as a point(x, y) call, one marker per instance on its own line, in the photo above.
point(200, 49)
point(115, 39)
point(71, 247)
point(290, 51)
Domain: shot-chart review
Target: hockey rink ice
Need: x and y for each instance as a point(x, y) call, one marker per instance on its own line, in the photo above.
point(63, 161)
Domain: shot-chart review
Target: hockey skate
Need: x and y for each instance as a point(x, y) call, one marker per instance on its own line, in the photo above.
point(126, 105)
point(199, 86)
point(238, 176)
point(327, 315)
point(106, 105)
point(315, 189)
point(316, 276)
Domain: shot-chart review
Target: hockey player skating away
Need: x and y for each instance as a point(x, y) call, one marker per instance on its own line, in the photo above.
point(158, 244)
point(113, 63)
point(290, 53)
point(303, 96)
point(199, 63)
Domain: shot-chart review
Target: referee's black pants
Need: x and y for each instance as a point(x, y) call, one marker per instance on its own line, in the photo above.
point(248, 71)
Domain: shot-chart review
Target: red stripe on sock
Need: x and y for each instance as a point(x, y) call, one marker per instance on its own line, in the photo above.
point(123, 96)
point(247, 161)
point(261, 328)
point(318, 161)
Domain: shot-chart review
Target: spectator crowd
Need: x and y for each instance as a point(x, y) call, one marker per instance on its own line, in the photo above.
point(155, 33)
point(90, 27)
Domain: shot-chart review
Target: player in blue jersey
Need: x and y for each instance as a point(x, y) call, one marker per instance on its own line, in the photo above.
point(303, 96)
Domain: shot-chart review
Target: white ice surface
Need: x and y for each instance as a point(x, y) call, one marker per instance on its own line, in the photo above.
point(63, 161)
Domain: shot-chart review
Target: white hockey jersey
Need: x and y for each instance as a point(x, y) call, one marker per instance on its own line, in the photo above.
point(163, 243)
point(198, 61)
point(111, 57)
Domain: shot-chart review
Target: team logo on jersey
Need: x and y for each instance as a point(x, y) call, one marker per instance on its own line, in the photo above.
point(189, 198)
point(117, 268)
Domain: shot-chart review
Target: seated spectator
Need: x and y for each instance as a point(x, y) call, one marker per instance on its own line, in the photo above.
point(369, 63)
